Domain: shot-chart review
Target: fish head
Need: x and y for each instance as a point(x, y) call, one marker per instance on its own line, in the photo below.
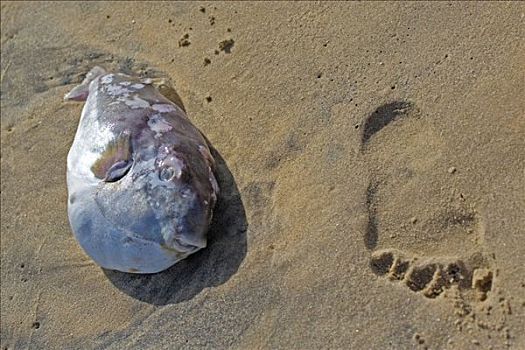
point(183, 197)
point(163, 194)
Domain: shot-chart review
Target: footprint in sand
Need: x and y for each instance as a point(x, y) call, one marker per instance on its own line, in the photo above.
point(422, 233)
point(432, 276)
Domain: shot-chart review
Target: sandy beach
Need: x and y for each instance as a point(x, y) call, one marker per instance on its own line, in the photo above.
point(371, 160)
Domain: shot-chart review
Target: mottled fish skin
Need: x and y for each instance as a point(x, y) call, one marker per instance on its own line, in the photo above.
point(140, 176)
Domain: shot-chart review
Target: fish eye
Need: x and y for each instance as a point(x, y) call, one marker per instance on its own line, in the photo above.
point(118, 171)
point(166, 173)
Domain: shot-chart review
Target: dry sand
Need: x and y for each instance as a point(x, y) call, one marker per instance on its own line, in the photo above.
point(373, 176)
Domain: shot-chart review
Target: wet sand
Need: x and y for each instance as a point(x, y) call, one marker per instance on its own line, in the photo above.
point(372, 167)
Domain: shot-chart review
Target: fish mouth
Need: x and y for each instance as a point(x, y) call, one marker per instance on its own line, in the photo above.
point(183, 247)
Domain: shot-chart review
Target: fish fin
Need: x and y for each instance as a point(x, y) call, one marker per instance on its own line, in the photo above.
point(172, 95)
point(212, 166)
point(81, 91)
point(164, 87)
point(206, 153)
point(115, 160)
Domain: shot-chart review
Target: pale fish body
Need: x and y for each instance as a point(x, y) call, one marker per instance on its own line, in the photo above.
point(140, 175)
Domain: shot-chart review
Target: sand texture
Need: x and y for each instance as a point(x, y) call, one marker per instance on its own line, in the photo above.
point(372, 161)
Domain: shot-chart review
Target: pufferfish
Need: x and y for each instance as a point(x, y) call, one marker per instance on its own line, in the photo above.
point(140, 176)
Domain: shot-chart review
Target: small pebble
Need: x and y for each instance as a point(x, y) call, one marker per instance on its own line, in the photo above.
point(226, 45)
point(184, 41)
point(413, 220)
point(451, 170)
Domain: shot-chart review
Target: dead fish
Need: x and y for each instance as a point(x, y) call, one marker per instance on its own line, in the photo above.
point(140, 175)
